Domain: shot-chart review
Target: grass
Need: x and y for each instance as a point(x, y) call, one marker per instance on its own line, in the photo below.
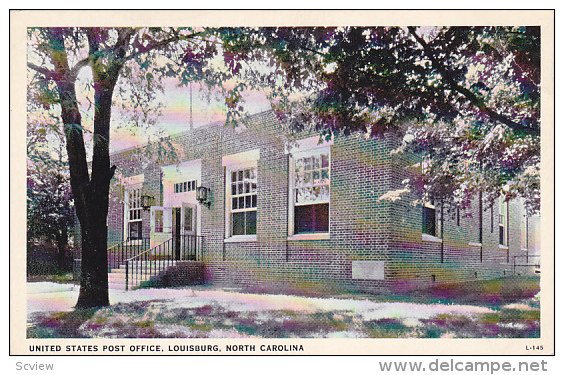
point(62, 324)
point(514, 312)
point(58, 277)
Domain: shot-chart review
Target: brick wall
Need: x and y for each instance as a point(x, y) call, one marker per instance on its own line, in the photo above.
point(362, 227)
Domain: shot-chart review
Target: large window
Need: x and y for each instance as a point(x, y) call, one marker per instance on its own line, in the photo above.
point(310, 191)
point(503, 211)
point(134, 221)
point(242, 195)
point(429, 219)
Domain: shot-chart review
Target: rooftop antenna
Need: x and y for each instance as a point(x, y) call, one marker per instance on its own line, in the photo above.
point(191, 119)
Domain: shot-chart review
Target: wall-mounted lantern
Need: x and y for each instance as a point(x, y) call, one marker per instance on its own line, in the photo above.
point(147, 201)
point(202, 196)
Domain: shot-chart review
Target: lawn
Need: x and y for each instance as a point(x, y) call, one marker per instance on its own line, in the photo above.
point(507, 307)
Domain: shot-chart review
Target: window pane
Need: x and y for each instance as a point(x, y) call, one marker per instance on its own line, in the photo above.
point(233, 189)
point(238, 223)
point(254, 203)
point(247, 188)
point(316, 162)
point(311, 218)
point(158, 221)
point(247, 174)
point(135, 230)
point(429, 221)
point(234, 204)
point(248, 201)
point(233, 176)
point(188, 219)
point(324, 160)
point(240, 176)
point(251, 224)
point(307, 164)
point(241, 202)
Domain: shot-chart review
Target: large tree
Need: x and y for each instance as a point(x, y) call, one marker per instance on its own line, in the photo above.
point(466, 98)
point(50, 214)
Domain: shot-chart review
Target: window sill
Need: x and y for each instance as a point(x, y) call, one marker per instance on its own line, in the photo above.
point(475, 244)
point(503, 247)
point(429, 238)
point(309, 237)
point(242, 238)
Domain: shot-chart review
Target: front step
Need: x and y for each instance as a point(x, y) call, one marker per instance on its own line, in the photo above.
point(116, 278)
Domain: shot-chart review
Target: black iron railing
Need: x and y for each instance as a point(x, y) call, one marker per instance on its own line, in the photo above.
point(119, 253)
point(526, 261)
point(150, 263)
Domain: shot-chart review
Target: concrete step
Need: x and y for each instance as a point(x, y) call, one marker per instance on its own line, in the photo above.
point(149, 263)
point(117, 276)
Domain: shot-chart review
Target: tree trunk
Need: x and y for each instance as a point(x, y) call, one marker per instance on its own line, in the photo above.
point(94, 265)
point(90, 191)
point(94, 282)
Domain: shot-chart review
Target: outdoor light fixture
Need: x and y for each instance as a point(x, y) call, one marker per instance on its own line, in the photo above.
point(202, 195)
point(147, 201)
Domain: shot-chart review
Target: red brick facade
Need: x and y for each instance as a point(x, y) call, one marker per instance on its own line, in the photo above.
point(362, 227)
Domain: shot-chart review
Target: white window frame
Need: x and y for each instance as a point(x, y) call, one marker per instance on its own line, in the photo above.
point(426, 236)
point(232, 163)
point(138, 187)
point(311, 149)
point(185, 186)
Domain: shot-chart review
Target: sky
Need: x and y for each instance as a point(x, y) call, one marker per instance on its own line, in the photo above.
point(175, 113)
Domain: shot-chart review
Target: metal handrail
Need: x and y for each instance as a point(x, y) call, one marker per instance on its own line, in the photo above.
point(118, 253)
point(161, 256)
point(527, 264)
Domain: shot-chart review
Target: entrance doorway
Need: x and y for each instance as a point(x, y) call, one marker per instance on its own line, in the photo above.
point(184, 239)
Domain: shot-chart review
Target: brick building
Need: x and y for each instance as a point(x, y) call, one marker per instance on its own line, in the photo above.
point(302, 215)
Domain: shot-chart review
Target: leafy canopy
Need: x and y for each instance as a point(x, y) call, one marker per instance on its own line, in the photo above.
point(466, 99)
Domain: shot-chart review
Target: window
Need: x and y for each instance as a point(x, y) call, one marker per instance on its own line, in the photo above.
point(503, 211)
point(134, 221)
point(429, 219)
point(242, 189)
point(310, 191)
point(188, 219)
point(186, 186)
point(159, 221)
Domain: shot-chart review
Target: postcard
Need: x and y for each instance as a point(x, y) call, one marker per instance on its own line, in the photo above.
point(282, 182)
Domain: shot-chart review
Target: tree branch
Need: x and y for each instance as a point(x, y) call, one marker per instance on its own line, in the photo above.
point(49, 74)
point(469, 95)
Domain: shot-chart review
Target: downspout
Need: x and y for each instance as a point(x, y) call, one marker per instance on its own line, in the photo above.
point(442, 221)
point(224, 224)
point(287, 207)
